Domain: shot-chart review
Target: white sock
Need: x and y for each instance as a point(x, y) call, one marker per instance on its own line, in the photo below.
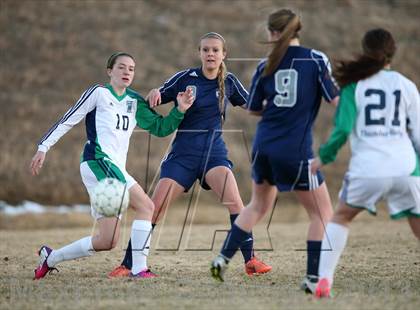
point(77, 249)
point(331, 251)
point(140, 242)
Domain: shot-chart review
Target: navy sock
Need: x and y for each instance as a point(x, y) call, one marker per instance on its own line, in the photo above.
point(128, 258)
point(313, 252)
point(234, 239)
point(247, 247)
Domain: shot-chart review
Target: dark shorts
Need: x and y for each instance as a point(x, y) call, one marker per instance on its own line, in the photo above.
point(286, 175)
point(186, 169)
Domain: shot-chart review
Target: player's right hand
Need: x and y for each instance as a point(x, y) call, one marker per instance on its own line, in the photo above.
point(154, 98)
point(185, 100)
point(37, 162)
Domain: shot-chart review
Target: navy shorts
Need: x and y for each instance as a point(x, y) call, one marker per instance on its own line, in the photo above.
point(286, 175)
point(186, 169)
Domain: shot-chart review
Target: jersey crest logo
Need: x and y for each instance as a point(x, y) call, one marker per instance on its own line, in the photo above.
point(130, 106)
point(217, 94)
point(194, 74)
point(193, 88)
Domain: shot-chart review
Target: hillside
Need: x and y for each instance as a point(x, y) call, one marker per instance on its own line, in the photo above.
point(51, 51)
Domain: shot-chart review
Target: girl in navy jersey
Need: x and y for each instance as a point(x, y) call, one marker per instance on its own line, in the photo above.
point(198, 151)
point(112, 112)
point(291, 82)
point(377, 106)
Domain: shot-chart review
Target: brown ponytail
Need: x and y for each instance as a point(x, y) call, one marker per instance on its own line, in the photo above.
point(288, 24)
point(221, 74)
point(378, 49)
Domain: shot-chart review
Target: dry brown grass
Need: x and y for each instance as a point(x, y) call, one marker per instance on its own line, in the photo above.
point(380, 269)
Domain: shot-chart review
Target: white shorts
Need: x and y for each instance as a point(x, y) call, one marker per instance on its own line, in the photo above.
point(402, 194)
point(92, 171)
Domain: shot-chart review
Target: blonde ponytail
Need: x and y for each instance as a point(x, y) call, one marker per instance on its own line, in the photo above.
point(221, 76)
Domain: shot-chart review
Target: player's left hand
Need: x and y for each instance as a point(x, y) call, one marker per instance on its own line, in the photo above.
point(36, 162)
point(316, 164)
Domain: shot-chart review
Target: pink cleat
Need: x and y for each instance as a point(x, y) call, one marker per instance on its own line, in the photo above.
point(43, 268)
point(146, 273)
point(323, 289)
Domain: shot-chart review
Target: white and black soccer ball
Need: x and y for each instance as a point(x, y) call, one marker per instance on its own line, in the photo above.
point(110, 197)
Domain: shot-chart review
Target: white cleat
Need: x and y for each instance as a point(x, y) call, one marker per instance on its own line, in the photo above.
point(309, 284)
point(218, 268)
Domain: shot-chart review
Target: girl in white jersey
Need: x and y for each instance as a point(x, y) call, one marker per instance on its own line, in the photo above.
point(376, 107)
point(111, 112)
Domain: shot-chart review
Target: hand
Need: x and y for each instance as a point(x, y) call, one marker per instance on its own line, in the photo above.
point(185, 100)
point(36, 162)
point(154, 98)
point(316, 164)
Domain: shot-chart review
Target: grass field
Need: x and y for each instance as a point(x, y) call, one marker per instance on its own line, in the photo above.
point(380, 269)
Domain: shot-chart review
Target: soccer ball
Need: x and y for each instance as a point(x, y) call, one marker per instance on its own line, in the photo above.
point(110, 197)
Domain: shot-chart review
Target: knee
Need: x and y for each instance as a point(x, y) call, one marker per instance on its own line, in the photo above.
point(343, 218)
point(264, 207)
point(145, 205)
point(106, 244)
point(259, 206)
point(323, 214)
point(149, 206)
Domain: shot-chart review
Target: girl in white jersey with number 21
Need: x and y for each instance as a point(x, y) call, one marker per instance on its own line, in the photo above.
point(376, 106)
point(112, 112)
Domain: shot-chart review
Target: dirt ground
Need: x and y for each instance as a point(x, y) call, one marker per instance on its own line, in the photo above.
point(380, 268)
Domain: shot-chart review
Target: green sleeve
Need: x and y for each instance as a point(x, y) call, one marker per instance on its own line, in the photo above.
point(155, 123)
point(345, 118)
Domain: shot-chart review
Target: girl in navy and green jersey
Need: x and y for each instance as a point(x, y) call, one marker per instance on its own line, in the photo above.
point(286, 91)
point(111, 113)
point(198, 151)
point(376, 107)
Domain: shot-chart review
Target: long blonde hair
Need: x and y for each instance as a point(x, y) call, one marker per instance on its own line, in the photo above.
point(221, 73)
point(288, 24)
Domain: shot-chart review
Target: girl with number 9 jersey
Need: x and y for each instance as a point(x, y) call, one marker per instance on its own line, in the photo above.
point(291, 82)
point(286, 91)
